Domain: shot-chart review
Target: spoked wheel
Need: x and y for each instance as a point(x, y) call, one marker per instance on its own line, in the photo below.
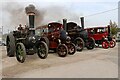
point(71, 48)
point(112, 44)
point(10, 41)
point(62, 50)
point(79, 43)
point(42, 50)
point(105, 44)
point(20, 52)
point(90, 44)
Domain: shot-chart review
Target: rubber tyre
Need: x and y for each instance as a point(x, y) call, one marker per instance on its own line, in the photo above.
point(91, 43)
point(71, 48)
point(20, 52)
point(105, 44)
point(112, 44)
point(10, 45)
point(79, 43)
point(46, 40)
point(42, 50)
point(62, 50)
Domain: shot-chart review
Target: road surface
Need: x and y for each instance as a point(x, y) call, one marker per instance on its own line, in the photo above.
point(96, 63)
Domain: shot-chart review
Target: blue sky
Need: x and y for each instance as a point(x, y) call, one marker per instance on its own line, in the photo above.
point(55, 10)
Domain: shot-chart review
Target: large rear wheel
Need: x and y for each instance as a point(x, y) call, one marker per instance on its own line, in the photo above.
point(42, 50)
point(79, 43)
point(10, 45)
point(62, 50)
point(90, 44)
point(46, 40)
point(20, 52)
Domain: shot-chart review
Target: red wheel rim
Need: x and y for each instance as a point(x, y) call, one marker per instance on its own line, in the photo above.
point(105, 44)
point(112, 44)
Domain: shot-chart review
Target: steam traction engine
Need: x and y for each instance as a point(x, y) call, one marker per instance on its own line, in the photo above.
point(25, 42)
point(79, 35)
point(102, 36)
point(58, 40)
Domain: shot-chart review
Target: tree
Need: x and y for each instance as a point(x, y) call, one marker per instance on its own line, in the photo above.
point(114, 28)
point(118, 29)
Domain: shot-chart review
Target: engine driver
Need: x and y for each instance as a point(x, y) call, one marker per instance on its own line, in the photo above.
point(63, 34)
point(20, 28)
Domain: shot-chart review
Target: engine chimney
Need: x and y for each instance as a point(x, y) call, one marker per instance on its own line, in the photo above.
point(108, 30)
point(82, 22)
point(31, 22)
point(65, 24)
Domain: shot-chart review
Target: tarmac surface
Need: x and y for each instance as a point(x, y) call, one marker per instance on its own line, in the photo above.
point(96, 63)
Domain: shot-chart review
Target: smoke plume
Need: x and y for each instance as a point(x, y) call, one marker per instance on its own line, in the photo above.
point(30, 8)
point(39, 14)
point(15, 13)
point(12, 15)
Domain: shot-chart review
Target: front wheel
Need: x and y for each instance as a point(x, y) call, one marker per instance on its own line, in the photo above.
point(42, 50)
point(20, 52)
point(62, 50)
point(112, 44)
point(105, 44)
point(71, 48)
point(90, 44)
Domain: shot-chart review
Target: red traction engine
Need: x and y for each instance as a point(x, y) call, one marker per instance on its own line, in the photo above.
point(58, 41)
point(102, 36)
